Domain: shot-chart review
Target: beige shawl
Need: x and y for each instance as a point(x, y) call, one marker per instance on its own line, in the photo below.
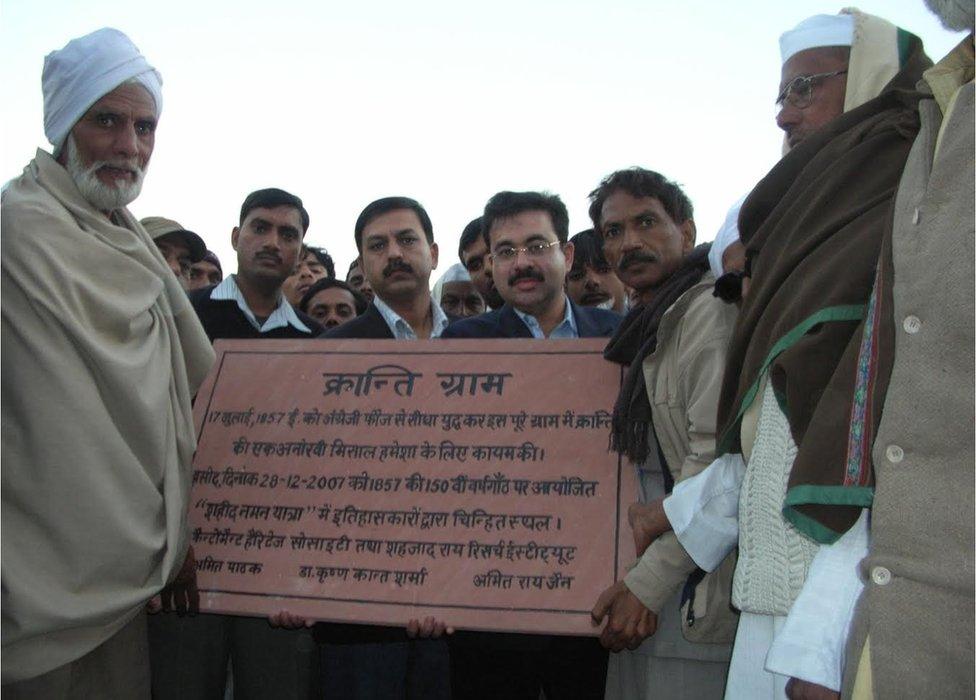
point(101, 354)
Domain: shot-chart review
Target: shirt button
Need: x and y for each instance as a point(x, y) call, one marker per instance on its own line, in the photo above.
point(912, 324)
point(894, 454)
point(881, 576)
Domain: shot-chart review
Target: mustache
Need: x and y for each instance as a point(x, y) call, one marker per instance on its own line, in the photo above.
point(267, 255)
point(528, 274)
point(396, 266)
point(131, 166)
point(635, 256)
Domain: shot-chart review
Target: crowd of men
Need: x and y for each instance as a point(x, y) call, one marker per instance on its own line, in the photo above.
point(798, 399)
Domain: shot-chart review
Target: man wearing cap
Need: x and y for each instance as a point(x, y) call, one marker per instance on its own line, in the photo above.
point(206, 273)
point(812, 230)
point(181, 248)
point(101, 355)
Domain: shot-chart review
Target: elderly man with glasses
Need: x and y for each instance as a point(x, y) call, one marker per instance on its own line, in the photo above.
point(812, 231)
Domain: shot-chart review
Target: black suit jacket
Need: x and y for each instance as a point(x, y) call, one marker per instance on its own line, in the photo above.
point(505, 323)
point(369, 324)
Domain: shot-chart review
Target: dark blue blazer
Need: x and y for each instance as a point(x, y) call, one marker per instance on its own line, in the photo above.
point(505, 323)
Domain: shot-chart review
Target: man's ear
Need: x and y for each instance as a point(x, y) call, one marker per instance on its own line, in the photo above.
point(688, 234)
point(234, 235)
point(433, 255)
point(569, 252)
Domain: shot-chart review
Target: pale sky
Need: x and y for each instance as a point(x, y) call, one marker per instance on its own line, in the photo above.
point(447, 102)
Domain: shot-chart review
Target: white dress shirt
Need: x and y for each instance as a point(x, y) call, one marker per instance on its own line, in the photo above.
point(401, 330)
point(566, 328)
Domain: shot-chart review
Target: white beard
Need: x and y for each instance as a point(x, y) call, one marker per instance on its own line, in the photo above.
point(101, 196)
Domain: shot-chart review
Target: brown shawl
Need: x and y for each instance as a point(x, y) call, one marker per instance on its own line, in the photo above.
point(813, 228)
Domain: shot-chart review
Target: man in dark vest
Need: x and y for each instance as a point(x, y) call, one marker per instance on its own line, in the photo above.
point(266, 661)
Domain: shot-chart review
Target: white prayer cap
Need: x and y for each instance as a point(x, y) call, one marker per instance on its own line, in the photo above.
point(726, 236)
point(84, 71)
point(816, 32)
point(455, 273)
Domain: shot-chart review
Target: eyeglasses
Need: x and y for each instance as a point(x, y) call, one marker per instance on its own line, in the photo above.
point(508, 253)
point(799, 91)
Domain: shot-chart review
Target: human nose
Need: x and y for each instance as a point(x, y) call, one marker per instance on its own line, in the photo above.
point(788, 116)
point(591, 281)
point(631, 241)
point(127, 142)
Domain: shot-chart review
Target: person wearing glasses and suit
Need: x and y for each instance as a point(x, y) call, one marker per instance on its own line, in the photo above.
point(527, 238)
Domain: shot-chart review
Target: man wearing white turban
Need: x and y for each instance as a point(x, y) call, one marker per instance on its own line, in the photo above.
point(101, 354)
point(846, 108)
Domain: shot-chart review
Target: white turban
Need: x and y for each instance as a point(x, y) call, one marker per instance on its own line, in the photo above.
point(726, 236)
point(455, 273)
point(84, 71)
point(816, 32)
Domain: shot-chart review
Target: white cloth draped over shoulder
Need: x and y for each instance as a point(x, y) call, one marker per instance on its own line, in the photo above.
point(101, 355)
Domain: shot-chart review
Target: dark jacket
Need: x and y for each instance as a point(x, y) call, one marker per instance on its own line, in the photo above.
point(505, 323)
point(223, 318)
point(369, 324)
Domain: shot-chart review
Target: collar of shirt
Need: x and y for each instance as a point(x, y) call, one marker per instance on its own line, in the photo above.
point(565, 329)
point(951, 73)
point(283, 315)
point(401, 330)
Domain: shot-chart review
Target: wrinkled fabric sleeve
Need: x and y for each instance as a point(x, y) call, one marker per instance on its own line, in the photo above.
point(811, 644)
point(665, 565)
point(704, 511)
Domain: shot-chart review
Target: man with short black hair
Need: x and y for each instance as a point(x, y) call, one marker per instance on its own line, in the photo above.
point(266, 661)
point(591, 281)
point(180, 248)
point(314, 264)
point(674, 346)
point(250, 303)
point(397, 252)
point(332, 302)
point(473, 253)
point(527, 234)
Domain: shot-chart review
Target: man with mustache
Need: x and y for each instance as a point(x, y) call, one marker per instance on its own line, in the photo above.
point(527, 234)
point(101, 355)
point(397, 253)
point(266, 661)
point(850, 114)
point(591, 281)
point(674, 344)
point(251, 303)
point(473, 253)
point(395, 239)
